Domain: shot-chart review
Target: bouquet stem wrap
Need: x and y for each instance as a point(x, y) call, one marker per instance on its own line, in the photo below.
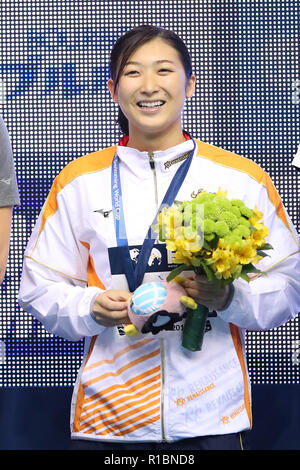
point(194, 328)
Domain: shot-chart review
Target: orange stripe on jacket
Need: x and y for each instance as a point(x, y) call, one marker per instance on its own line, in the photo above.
point(237, 162)
point(122, 369)
point(93, 279)
point(116, 412)
point(117, 427)
point(118, 354)
point(81, 396)
point(80, 393)
point(239, 350)
point(87, 164)
point(124, 387)
point(137, 426)
point(129, 394)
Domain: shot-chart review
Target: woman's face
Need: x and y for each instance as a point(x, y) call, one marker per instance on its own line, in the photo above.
point(152, 89)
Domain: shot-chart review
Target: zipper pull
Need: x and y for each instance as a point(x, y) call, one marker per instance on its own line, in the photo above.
point(151, 159)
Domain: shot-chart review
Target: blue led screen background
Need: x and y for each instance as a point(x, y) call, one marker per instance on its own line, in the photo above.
point(53, 74)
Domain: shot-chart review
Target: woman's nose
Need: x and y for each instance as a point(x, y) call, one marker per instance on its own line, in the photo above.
point(149, 84)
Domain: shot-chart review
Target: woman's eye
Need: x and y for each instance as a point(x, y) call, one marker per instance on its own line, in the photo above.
point(165, 70)
point(131, 72)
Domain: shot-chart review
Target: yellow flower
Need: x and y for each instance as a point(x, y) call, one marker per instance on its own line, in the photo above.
point(259, 235)
point(221, 265)
point(227, 274)
point(223, 261)
point(179, 258)
point(195, 245)
point(245, 252)
point(256, 216)
point(170, 245)
point(221, 193)
point(223, 244)
point(169, 220)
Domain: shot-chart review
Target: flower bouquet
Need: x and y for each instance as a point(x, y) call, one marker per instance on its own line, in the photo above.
point(215, 236)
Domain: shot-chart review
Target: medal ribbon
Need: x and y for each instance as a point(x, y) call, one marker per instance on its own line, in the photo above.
point(134, 275)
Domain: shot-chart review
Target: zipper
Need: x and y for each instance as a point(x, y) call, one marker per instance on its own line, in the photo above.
point(152, 165)
point(241, 442)
point(162, 390)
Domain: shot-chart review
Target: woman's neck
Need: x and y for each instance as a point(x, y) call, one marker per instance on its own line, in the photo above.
point(151, 143)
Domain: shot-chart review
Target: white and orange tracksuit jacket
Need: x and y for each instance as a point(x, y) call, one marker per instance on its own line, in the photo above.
point(150, 388)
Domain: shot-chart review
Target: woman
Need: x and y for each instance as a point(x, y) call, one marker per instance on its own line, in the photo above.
point(148, 392)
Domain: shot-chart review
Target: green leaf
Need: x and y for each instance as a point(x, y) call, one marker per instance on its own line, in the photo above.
point(267, 246)
point(263, 273)
point(245, 277)
point(206, 245)
point(214, 242)
point(175, 272)
point(160, 235)
point(262, 253)
point(250, 268)
point(196, 262)
point(208, 271)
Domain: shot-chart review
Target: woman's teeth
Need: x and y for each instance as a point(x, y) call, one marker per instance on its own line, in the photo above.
point(145, 104)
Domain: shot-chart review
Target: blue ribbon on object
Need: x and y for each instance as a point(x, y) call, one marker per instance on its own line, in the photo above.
point(135, 274)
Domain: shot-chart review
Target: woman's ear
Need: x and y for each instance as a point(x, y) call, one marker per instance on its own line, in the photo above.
point(111, 88)
point(190, 88)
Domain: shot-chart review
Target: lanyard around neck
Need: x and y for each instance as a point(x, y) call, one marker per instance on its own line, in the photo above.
point(135, 274)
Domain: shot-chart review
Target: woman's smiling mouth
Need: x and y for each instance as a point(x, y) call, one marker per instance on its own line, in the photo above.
point(150, 106)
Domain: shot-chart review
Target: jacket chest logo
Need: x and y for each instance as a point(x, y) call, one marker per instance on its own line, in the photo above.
point(176, 160)
point(104, 212)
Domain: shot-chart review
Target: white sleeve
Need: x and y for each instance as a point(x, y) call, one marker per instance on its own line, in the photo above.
point(268, 301)
point(271, 299)
point(54, 283)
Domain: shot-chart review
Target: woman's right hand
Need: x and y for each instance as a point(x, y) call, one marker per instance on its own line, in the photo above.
point(110, 308)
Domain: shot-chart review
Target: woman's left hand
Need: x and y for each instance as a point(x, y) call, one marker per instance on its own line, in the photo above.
point(205, 292)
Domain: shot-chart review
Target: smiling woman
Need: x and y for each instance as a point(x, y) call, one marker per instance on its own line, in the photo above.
point(151, 93)
point(83, 264)
point(151, 73)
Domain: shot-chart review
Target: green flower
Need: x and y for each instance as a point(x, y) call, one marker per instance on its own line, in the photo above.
point(206, 197)
point(221, 228)
point(209, 226)
point(242, 231)
point(236, 211)
point(243, 221)
point(246, 212)
point(230, 219)
point(243, 209)
point(237, 202)
point(223, 203)
point(209, 237)
point(211, 211)
point(232, 239)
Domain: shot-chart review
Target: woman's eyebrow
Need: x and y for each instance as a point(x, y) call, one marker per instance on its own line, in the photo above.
point(132, 62)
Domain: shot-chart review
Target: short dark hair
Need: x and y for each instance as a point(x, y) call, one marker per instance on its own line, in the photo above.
point(127, 44)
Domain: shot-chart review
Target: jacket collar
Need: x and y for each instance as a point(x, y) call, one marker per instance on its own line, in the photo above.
point(166, 161)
